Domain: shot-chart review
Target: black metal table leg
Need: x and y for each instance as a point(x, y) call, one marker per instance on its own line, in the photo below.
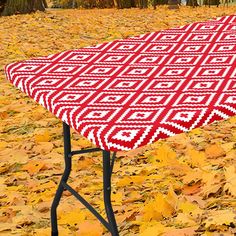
point(107, 192)
point(65, 176)
point(107, 172)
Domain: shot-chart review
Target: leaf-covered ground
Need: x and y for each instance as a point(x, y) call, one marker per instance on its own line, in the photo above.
point(185, 185)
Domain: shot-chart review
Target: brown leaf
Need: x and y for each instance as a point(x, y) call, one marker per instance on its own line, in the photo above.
point(3, 115)
point(192, 189)
point(4, 167)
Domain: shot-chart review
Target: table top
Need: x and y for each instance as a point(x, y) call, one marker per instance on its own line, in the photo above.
point(127, 93)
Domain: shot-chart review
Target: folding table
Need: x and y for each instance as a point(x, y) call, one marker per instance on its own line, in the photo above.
point(127, 93)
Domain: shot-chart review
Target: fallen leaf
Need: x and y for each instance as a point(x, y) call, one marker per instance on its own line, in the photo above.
point(230, 176)
point(4, 167)
point(72, 218)
point(228, 146)
point(196, 199)
point(5, 227)
point(3, 115)
point(47, 231)
point(188, 207)
point(33, 166)
point(214, 151)
point(184, 219)
point(3, 145)
point(192, 189)
point(163, 156)
point(197, 158)
point(84, 143)
point(84, 163)
point(212, 183)
point(181, 232)
point(43, 147)
point(14, 156)
point(172, 198)
point(220, 217)
point(157, 208)
point(90, 228)
point(116, 198)
point(42, 137)
point(152, 229)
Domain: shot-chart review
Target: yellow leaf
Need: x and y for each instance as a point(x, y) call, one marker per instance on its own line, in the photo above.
point(34, 198)
point(117, 198)
point(163, 156)
point(157, 209)
point(33, 166)
point(184, 219)
point(84, 143)
point(72, 218)
point(124, 182)
point(47, 231)
point(15, 188)
point(150, 213)
point(84, 163)
point(4, 227)
point(14, 156)
point(232, 120)
point(230, 176)
point(43, 137)
point(131, 180)
point(59, 150)
point(132, 197)
point(188, 207)
point(196, 131)
point(42, 186)
point(214, 151)
point(172, 198)
point(197, 158)
point(228, 146)
point(152, 229)
point(179, 141)
point(181, 232)
point(90, 228)
point(211, 183)
point(43, 147)
point(137, 179)
point(220, 217)
point(3, 145)
point(192, 175)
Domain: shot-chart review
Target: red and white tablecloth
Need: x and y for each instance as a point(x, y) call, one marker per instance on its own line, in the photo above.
point(128, 93)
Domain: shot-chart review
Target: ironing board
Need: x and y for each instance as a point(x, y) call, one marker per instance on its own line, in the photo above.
point(124, 94)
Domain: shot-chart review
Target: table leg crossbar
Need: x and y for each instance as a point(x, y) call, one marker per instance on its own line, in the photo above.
point(108, 164)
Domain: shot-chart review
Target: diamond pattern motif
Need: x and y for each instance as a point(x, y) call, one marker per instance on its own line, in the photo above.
point(128, 93)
